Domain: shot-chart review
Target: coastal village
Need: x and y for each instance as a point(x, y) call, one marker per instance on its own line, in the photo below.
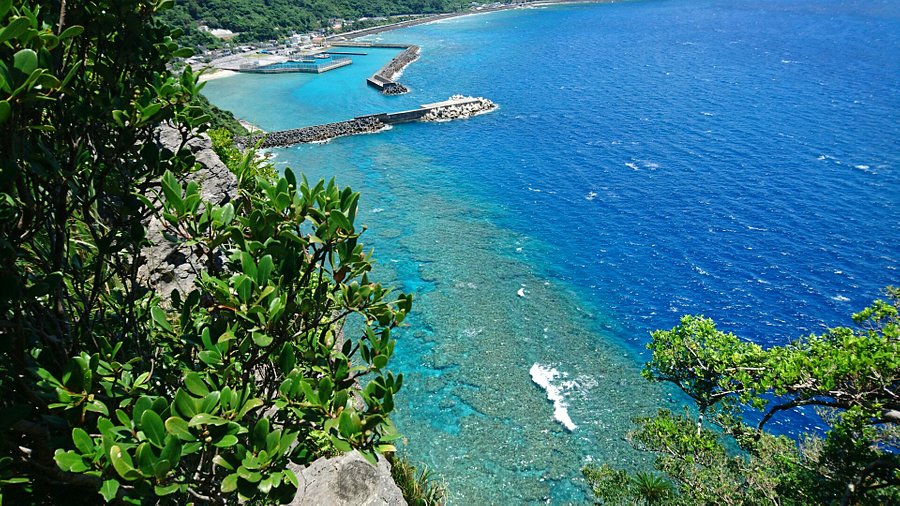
point(305, 47)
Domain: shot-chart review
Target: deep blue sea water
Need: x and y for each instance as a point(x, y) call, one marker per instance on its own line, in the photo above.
point(739, 159)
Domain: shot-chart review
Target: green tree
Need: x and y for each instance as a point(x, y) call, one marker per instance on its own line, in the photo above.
point(850, 376)
point(109, 389)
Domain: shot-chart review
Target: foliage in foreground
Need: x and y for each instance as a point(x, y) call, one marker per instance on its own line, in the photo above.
point(851, 376)
point(110, 392)
point(420, 488)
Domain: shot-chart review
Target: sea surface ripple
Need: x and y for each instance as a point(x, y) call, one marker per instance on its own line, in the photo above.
point(649, 159)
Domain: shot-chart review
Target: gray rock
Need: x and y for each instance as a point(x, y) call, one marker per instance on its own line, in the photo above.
point(217, 183)
point(168, 267)
point(347, 480)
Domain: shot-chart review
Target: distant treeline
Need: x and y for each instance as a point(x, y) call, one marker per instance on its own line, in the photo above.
point(270, 19)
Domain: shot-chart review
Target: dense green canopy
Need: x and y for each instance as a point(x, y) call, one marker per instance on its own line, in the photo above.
point(849, 375)
point(268, 19)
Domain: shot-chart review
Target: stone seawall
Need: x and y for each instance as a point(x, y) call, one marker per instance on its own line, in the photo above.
point(318, 133)
point(383, 80)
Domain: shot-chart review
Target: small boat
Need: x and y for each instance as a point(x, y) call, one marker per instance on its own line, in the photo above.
point(323, 56)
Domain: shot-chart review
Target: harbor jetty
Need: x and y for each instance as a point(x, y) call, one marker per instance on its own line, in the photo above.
point(383, 80)
point(457, 107)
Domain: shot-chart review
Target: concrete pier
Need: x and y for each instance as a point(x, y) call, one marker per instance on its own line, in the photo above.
point(291, 66)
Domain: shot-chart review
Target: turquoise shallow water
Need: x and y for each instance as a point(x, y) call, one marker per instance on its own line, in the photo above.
point(649, 159)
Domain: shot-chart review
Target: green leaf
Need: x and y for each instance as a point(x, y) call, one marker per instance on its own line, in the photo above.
point(159, 316)
point(109, 489)
point(206, 419)
point(248, 406)
point(266, 266)
point(25, 60)
point(5, 111)
point(195, 384)
point(72, 31)
point(184, 403)
point(179, 428)
point(184, 52)
point(341, 220)
point(221, 462)
point(122, 463)
point(251, 476)
point(70, 461)
point(82, 440)
point(369, 456)
point(15, 28)
point(265, 486)
point(380, 361)
point(349, 423)
point(5, 5)
point(153, 428)
point(172, 451)
point(260, 431)
point(165, 490)
point(172, 190)
point(149, 111)
point(248, 265)
point(227, 441)
point(291, 477)
point(340, 445)
point(244, 285)
point(229, 484)
point(97, 407)
point(261, 340)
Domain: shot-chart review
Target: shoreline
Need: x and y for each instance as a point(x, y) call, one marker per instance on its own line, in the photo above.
point(384, 79)
point(352, 35)
point(213, 73)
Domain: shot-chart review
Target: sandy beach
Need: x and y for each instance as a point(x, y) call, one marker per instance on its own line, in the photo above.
point(211, 73)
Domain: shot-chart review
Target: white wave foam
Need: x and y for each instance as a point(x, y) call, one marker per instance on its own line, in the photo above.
point(590, 196)
point(543, 377)
point(840, 298)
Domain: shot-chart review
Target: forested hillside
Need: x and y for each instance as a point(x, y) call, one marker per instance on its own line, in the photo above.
point(266, 19)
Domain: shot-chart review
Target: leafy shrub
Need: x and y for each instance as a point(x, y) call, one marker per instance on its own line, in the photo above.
point(850, 375)
point(420, 488)
point(203, 396)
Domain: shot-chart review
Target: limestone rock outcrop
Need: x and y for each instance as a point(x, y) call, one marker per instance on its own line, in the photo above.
point(347, 480)
point(168, 266)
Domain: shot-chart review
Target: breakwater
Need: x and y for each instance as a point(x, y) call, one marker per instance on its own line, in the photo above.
point(457, 107)
point(317, 133)
point(383, 80)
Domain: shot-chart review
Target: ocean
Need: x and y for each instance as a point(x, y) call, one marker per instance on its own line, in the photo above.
point(649, 159)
